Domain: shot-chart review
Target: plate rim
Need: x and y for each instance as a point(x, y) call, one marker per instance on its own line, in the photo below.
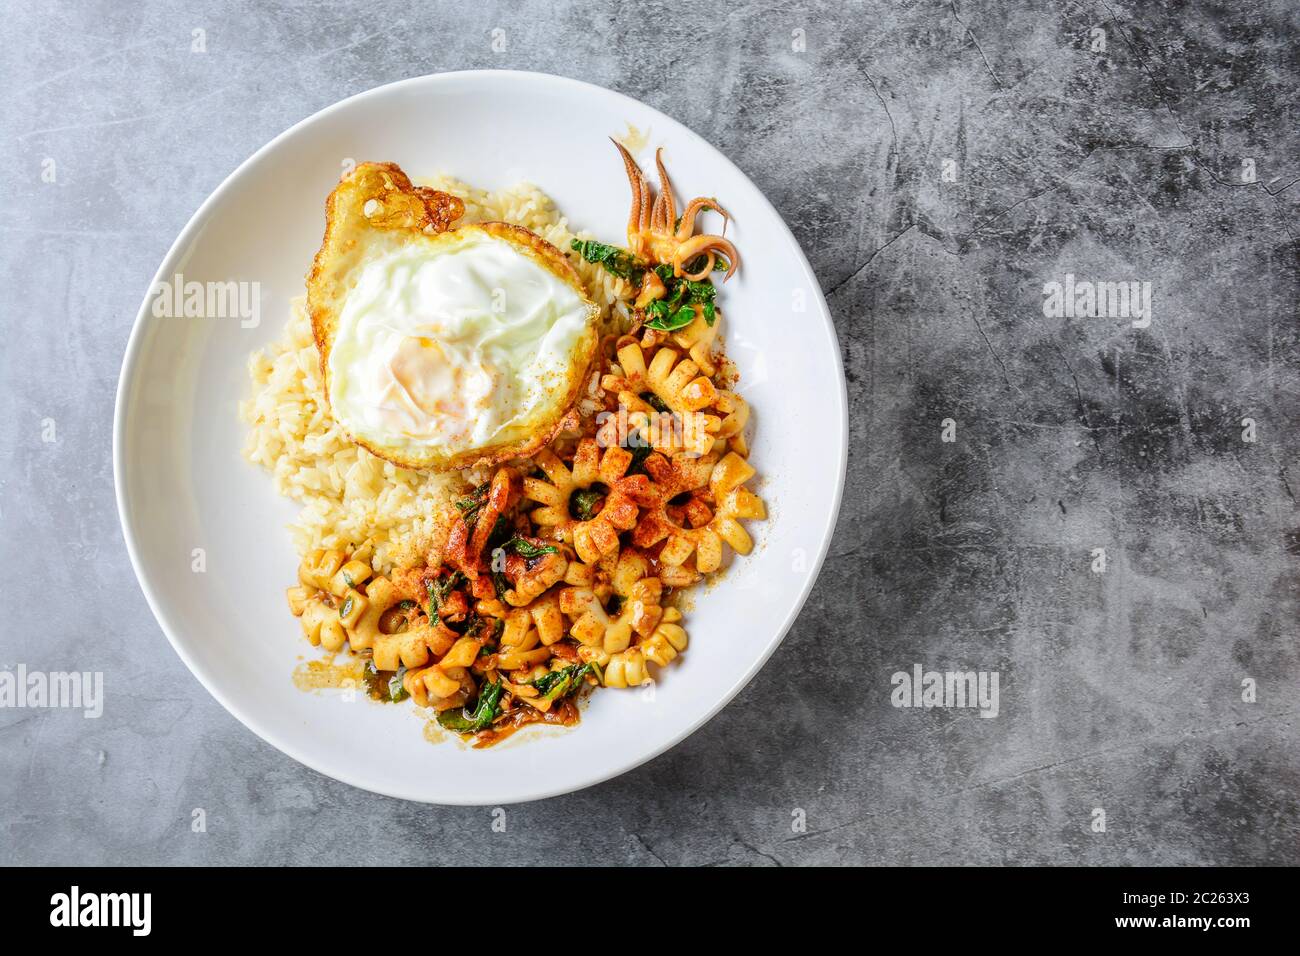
point(130, 360)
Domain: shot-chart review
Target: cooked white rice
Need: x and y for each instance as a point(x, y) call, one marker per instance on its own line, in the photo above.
point(350, 498)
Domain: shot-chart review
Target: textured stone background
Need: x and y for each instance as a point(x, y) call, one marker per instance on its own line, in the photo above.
point(1120, 690)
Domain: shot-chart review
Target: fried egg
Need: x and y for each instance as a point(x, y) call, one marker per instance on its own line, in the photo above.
point(443, 347)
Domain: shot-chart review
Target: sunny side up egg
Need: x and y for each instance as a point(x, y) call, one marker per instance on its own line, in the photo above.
point(462, 341)
point(443, 349)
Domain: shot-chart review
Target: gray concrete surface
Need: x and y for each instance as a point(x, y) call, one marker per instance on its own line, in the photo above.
point(1110, 140)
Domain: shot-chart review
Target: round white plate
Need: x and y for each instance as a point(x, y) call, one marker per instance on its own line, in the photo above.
point(206, 531)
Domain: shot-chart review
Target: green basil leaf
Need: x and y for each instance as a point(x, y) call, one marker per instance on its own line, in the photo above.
point(466, 721)
point(655, 402)
point(678, 320)
point(563, 682)
point(640, 452)
point(396, 690)
point(501, 533)
point(676, 295)
point(584, 503)
point(373, 679)
point(526, 549)
point(439, 590)
point(617, 262)
point(702, 291)
point(696, 264)
point(471, 504)
point(501, 584)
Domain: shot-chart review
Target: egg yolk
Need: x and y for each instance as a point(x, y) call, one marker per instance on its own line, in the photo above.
point(419, 383)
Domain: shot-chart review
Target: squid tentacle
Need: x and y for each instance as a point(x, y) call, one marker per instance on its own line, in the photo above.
point(698, 245)
point(703, 273)
point(638, 220)
point(693, 209)
point(666, 193)
point(653, 220)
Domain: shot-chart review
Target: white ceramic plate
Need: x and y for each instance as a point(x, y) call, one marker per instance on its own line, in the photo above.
point(182, 484)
